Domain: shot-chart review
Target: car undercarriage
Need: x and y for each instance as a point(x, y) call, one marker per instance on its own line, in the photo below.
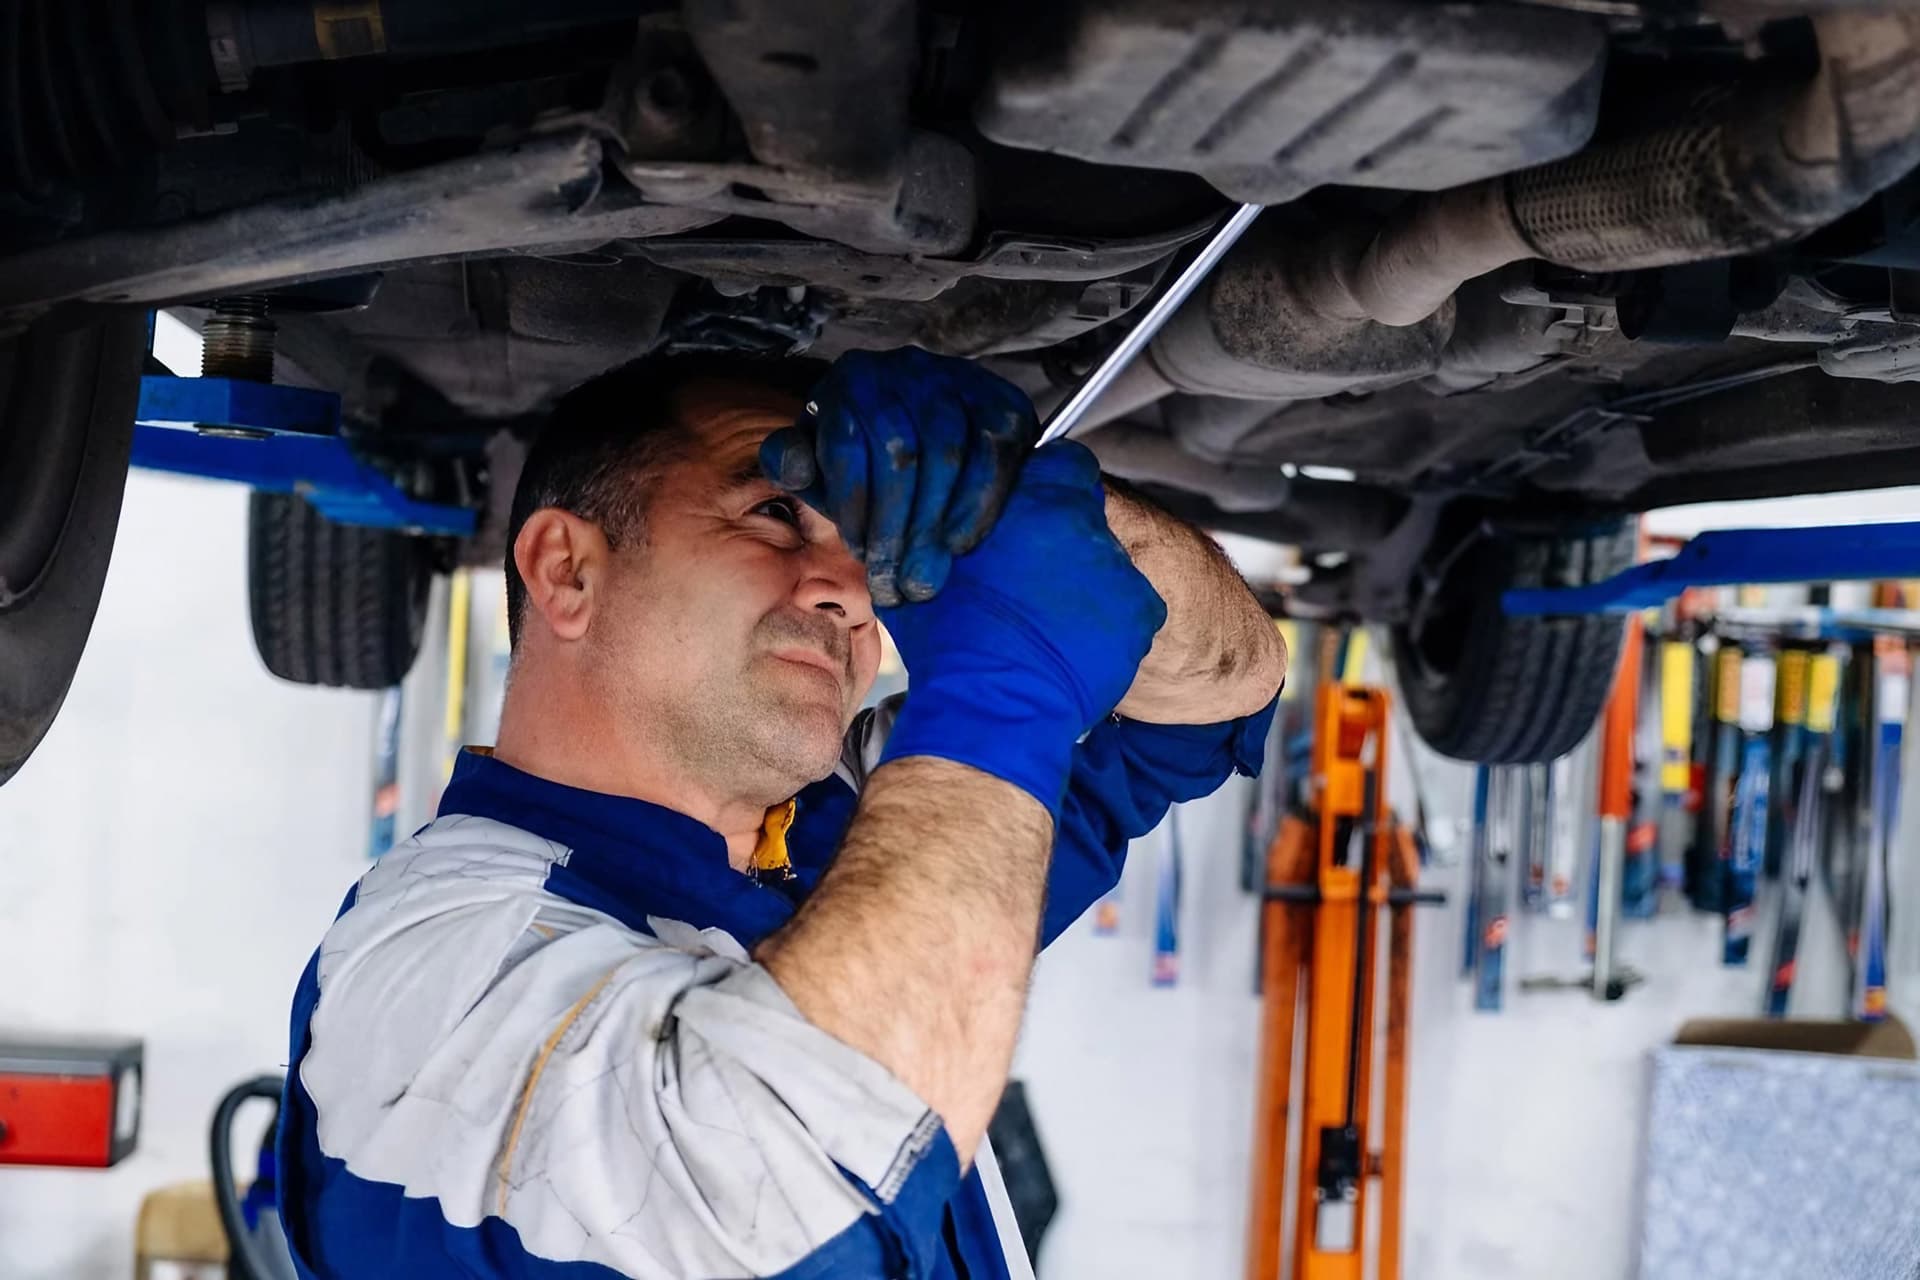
point(1525, 269)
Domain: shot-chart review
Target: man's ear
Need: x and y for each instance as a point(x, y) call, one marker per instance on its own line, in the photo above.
point(562, 559)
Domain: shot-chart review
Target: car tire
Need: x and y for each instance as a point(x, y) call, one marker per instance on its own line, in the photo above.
point(333, 604)
point(1485, 687)
point(68, 395)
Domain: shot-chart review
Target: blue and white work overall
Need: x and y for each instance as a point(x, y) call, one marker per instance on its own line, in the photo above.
point(534, 1044)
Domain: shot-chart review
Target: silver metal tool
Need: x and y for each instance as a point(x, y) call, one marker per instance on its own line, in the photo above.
point(1071, 410)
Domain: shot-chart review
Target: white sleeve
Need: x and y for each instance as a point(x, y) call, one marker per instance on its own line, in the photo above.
point(653, 1104)
point(860, 751)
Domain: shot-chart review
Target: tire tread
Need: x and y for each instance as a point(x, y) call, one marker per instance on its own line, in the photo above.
point(333, 604)
point(1528, 688)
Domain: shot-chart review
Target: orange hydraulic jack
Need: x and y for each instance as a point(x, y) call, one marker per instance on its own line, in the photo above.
point(1329, 876)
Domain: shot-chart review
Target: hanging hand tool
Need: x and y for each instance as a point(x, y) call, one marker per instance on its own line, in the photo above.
point(1495, 888)
point(1573, 781)
point(1850, 824)
point(1166, 905)
point(1809, 822)
point(384, 811)
point(1538, 837)
point(1640, 884)
point(1723, 771)
point(1616, 808)
point(1837, 786)
point(1477, 856)
point(1789, 744)
point(1676, 760)
point(453, 725)
point(1745, 844)
point(1893, 668)
point(1331, 873)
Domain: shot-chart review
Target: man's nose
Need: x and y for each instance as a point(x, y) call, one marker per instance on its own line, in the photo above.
point(835, 583)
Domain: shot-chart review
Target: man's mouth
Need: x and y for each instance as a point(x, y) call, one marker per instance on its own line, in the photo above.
point(812, 658)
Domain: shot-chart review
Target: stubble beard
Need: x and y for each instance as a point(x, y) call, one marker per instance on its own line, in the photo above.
point(758, 733)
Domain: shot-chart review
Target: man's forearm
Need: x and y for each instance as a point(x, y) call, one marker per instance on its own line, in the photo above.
point(1219, 656)
point(918, 944)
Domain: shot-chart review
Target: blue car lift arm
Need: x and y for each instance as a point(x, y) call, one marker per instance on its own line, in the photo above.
point(1730, 557)
point(282, 439)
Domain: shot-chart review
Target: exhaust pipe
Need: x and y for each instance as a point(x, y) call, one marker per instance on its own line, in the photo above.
point(1760, 173)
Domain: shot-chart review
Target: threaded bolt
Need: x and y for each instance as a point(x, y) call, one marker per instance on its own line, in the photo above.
point(238, 339)
point(237, 342)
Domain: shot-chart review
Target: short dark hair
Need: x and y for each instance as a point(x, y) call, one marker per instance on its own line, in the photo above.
point(602, 448)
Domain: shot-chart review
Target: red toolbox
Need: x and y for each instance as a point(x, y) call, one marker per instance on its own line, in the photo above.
point(70, 1100)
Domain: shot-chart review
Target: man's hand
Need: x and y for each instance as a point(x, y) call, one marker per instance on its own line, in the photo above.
point(1037, 636)
point(912, 456)
point(918, 943)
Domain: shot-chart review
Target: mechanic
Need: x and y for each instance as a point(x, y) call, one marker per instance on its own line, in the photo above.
point(703, 971)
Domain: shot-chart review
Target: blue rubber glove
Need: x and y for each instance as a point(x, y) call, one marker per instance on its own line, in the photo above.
point(912, 456)
point(1035, 638)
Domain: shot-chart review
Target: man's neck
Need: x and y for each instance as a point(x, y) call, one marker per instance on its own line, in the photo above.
point(582, 750)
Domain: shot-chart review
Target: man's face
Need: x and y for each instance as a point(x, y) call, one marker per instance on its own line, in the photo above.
point(740, 625)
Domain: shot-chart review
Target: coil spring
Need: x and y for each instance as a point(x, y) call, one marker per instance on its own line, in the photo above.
point(87, 86)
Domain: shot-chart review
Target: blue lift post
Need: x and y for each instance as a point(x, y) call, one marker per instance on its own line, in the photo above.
point(1732, 557)
point(282, 439)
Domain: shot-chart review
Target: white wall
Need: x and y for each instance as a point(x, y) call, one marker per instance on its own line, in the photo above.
point(168, 859)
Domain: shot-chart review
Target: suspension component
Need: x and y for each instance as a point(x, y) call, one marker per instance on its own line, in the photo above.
point(237, 342)
point(249, 35)
point(238, 339)
point(87, 86)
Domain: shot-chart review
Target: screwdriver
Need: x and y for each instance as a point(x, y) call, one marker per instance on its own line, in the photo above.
point(1074, 407)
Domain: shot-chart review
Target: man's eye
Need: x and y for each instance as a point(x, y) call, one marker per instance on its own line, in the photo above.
point(784, 510)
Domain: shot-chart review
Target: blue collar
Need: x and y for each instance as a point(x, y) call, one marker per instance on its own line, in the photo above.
point(632, 859)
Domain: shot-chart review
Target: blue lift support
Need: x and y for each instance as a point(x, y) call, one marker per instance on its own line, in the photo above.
point(282, 439)
point(1731, 557)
